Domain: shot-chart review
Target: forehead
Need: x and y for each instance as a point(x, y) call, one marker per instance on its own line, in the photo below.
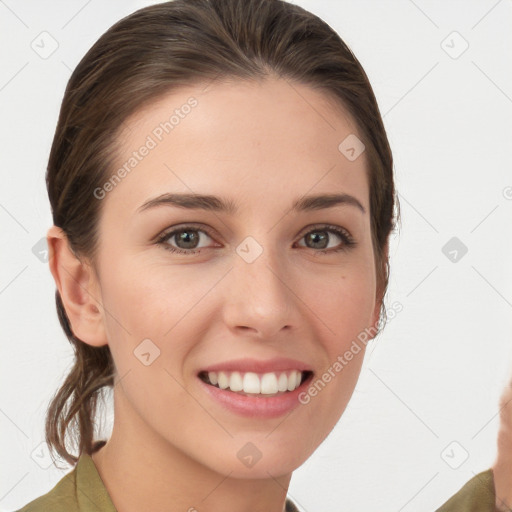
point(259, 140)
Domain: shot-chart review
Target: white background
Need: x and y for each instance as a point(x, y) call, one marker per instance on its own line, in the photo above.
point(435, 374)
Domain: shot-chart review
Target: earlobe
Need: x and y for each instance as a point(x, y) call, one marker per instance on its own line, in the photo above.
point(79, 289)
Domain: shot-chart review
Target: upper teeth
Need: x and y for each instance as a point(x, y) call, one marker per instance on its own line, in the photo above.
point(266, 383)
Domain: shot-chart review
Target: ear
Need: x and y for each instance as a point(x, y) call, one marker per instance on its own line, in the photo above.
point(379, 296)
point(79, 289)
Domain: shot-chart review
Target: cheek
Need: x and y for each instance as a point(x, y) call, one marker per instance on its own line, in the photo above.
point(343, 302)
point(144, 301)
point(148, 300)
point(344, 308)
point(143, 317)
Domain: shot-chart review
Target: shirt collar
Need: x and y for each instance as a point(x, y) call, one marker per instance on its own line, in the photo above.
point(92, 495)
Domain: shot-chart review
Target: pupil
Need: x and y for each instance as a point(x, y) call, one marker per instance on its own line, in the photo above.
point(317, 238)
point(185, 236)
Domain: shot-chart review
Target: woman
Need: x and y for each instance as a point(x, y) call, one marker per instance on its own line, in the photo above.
point(222, 194)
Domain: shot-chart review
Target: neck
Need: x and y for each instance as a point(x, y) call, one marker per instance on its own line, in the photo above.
point(143, 471)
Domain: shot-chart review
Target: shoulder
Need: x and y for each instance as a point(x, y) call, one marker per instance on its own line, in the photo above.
point(80, 490)
point(61, 498)
point(476, 495)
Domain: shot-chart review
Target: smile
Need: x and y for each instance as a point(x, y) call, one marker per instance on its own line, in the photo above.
point(256, 384)
point(256, 388)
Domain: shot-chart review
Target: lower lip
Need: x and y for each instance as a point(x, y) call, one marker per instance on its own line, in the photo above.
point(256, 406)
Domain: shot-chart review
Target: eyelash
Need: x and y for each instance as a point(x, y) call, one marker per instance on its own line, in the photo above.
point(347, 241)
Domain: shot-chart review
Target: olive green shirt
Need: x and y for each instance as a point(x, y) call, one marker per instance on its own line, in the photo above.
point(82, 490)
point(477, 495)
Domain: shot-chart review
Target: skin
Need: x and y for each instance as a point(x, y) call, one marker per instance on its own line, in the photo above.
point(262, 145)
point(502, 467)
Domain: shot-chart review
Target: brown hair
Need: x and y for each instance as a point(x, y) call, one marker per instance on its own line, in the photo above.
point(145, 56)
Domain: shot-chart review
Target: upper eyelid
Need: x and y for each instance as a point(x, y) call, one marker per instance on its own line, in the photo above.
point(184, 227)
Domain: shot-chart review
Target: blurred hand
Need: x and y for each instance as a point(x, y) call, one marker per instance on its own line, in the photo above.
point(502, 467)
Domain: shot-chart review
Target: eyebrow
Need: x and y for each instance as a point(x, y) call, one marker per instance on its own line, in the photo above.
point(217, 204)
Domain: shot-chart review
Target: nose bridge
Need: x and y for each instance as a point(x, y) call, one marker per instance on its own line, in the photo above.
point(260, 295)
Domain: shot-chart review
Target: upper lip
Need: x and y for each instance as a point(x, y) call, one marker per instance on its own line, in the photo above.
point(258, 365)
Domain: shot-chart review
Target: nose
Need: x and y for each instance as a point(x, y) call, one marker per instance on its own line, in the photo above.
point(260, 300)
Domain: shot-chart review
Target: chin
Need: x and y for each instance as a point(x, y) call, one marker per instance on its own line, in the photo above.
point(262, 458)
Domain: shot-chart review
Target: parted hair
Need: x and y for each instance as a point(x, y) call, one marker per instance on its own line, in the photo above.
point(137, 61)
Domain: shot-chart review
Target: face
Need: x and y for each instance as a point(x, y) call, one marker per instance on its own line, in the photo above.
point(261, 298)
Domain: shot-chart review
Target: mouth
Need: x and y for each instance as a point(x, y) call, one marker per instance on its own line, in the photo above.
point(262, 385)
